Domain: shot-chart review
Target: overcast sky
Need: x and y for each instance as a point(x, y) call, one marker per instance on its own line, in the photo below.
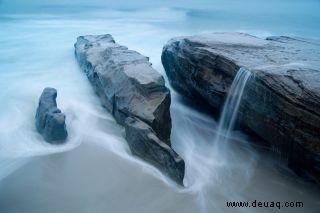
point(252, 6)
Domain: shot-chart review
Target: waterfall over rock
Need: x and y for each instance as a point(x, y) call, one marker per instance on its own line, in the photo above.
point(282, 102)
point(231, 105)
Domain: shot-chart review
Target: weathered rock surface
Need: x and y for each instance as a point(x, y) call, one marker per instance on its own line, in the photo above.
point(50, 122)
point(281, 103)
point(143, 142)
point(129, 87)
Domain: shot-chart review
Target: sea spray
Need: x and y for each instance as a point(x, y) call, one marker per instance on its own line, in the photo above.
point(222, 159)
point(211, 165)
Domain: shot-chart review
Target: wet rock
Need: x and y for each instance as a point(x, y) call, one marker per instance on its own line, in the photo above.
point(281, 103)
point(50, 122)
point(144, 142)
point(128, 86)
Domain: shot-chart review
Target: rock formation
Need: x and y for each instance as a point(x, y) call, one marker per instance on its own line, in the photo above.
point(50, 122)
point(143, 142)
point(137, 97)
point(281, 103)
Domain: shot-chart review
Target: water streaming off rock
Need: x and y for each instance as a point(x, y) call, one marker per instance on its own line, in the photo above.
point(231, 106)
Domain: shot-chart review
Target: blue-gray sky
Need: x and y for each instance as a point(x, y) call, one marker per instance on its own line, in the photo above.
point(27, 5)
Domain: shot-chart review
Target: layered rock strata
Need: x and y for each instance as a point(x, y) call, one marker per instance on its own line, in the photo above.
point(137, 97)
point(281, 103)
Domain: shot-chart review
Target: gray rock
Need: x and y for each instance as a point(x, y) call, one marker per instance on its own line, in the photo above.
point(50, 122)
point(128, 87)
point(144, 142)
point(281, 103)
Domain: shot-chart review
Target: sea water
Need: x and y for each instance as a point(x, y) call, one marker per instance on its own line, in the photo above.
point(94, 171)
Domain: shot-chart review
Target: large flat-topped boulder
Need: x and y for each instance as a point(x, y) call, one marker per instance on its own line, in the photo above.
point(212, 60)
point(281, 103)
point(129, 87)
